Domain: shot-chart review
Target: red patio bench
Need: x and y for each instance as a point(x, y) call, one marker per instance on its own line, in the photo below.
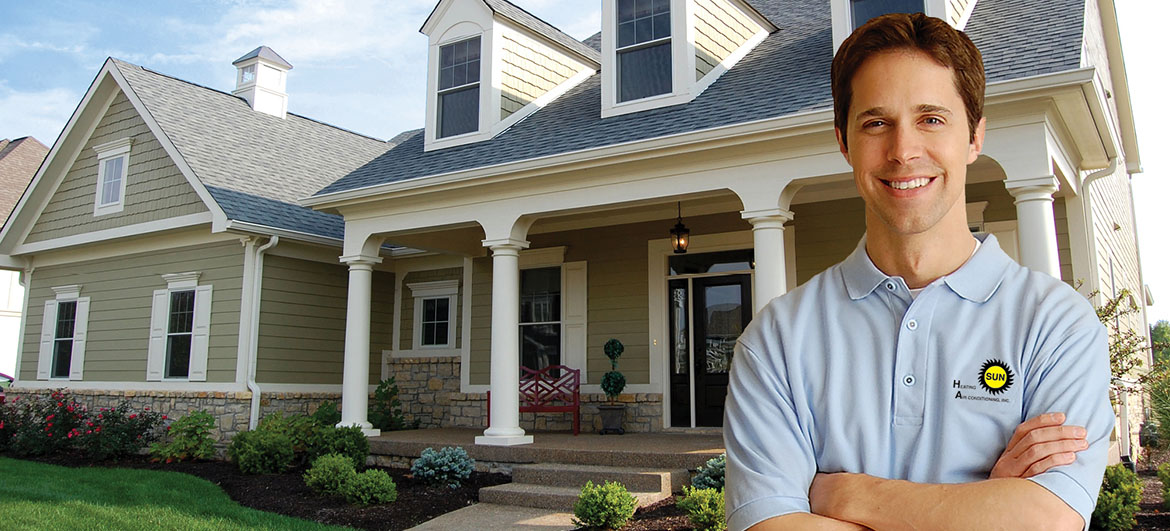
point(553, 389)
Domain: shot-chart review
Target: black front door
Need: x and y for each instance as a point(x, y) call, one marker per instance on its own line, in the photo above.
point(722, 308)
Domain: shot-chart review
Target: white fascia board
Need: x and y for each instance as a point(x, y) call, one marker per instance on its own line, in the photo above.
point(1121, 95)
point(188, 220)
point(234, 225)
point(219, 218)
point(12, 263)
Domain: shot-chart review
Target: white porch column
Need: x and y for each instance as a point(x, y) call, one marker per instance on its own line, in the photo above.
point(505, 427)
point(356, 376)
point(771, 279)
point(1037, 224)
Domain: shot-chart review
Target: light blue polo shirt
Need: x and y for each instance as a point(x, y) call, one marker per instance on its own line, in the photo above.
point(848, 373)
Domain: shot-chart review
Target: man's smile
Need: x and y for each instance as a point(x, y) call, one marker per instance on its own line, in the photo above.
point(908, 184)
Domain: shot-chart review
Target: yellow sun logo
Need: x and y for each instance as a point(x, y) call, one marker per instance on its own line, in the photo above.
point(995, 377)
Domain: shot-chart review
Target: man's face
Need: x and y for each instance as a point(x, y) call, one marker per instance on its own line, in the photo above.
point(909, 142)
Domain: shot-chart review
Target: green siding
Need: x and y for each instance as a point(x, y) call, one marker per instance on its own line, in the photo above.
point(302, 321)
point(155, 189)
point(120, 291)
point(406, 330)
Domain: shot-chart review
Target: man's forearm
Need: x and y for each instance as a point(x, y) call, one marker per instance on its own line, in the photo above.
point(805, 521)
point(1008, 503)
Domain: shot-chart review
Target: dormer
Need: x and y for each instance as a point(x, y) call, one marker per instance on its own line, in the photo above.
point(658, 53)
point(849, 14)
point(490, 64)
point(261, 75)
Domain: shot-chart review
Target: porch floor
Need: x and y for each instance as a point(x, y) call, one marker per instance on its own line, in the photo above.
point(634, 450)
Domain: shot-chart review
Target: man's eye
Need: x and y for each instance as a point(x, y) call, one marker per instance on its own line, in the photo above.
point(873, 123)
point(933, 120)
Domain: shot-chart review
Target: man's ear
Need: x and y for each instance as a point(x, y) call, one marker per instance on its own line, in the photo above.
point(977, 142)
point(841, 144)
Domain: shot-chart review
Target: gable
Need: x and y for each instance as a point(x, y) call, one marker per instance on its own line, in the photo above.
point(155, 187)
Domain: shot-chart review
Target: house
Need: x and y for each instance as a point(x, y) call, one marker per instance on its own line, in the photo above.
point(19, 160)
point(530, 219)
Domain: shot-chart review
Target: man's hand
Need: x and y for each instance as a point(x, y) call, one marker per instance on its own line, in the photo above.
point(1039, 444)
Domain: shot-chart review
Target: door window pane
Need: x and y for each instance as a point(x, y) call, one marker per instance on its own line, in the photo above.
point(680, 331)
point(864, 10)
point(720, 262)
point(724, 318)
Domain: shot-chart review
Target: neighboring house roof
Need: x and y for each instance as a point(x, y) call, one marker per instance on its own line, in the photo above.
point(254, 165)
point(785, 74)
point(264, 52)
point(19, 161)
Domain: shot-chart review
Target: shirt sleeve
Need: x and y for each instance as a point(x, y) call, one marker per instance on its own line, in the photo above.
point(770, 461)
point(1073, 377)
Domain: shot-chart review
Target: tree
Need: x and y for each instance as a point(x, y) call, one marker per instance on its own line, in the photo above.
point(1160, 337)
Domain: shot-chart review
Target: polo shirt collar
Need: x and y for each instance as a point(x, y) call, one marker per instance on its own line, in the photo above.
point(976, 280)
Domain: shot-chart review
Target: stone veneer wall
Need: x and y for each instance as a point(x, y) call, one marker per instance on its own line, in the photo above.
point(429, 391)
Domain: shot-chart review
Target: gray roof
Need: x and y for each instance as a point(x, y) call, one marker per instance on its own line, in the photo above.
point(787, 73)
point(254, 165)
point(264, 52)
point(518, 15)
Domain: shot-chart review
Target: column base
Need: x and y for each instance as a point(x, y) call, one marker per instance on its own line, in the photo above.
point(371, 432)
point(503, 440)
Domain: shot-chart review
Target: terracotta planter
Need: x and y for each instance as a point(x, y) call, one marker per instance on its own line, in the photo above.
point(611, 418)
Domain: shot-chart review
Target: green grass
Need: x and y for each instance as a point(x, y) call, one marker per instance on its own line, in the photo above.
point(40, 496)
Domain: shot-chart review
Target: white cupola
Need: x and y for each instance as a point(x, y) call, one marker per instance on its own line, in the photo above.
point(260, 80)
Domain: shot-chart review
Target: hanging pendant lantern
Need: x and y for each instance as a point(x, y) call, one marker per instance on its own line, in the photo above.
point(680, 235)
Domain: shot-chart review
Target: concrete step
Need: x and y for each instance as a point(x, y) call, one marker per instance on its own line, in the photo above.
point(575, 476)
point(544, 497)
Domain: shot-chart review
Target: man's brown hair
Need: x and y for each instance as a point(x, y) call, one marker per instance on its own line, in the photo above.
point(914, 31)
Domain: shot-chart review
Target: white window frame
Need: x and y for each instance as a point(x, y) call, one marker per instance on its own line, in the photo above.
point(160, 325)
point(71, 293)
point(619, 50)
point(439, 289)
point(106, 152)
point(440, 92)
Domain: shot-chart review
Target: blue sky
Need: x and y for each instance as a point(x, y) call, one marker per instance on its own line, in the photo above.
point(360, 64)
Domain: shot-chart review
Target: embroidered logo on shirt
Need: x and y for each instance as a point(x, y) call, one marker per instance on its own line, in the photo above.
point(995, 377)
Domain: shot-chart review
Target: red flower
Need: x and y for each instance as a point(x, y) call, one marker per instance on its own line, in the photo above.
point(50, 424)
point(70, 435)
point(164, 417)
point(97, 429)
point(133, 415)
point(50, 417)
point(59, 404)
point(70, 408)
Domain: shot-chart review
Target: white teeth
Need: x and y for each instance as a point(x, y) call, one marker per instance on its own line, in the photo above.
point(909, 185)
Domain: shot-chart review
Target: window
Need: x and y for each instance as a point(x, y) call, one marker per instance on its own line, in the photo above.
point(182, 318)
point(643, 49)
point(63, 333)
point(247, 75)
point(459, 88)
point(434, 314)
point(113, 162)
point(540, 317)
point(180, 327)
point(864, 10)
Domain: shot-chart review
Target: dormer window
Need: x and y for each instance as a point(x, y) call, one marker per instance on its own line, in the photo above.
point(643, 49)
point(459, 87)
point(864, 10)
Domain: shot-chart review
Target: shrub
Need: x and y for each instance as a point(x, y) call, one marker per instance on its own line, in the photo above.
point(300, 429)
point(1164, 476)
point(704, 507)
point(330, 474)
point(1117, 505)
point(8, 422)
point(608, 506)
point(190, 439)
point(448, 466)
point(327, 414)
point(710, 475)
point(116, 432)
point(370, 488)
point(1148, 436)
point(349, 442)
point(45, 425)
point(261, 452)
point(385, 411)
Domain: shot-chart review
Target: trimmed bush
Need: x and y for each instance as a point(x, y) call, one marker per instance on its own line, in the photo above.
point(327, 414)
point(300, 429)
point(261, 452)
point(704, 507)
point(349, 442)
point(385, 410)
point(1118, 503)
point(116, 432)
point(371, 487)
point(330, 474)
point(608, 506)
point(448, 466)
point(190, 438)
point(710, 475)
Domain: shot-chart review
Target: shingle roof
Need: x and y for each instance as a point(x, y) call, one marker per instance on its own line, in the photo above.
point(19, 161)
point(787, 73)
point(511, 11)
point(264, 52)
point(254, 165)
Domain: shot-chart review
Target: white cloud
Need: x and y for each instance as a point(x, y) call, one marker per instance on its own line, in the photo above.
point(40, 114)
point(11, 44)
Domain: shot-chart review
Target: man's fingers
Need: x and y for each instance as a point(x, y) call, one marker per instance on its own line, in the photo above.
point(1039, 421)
point(1039, 452)
point(1045, 435)
point(1051, 461)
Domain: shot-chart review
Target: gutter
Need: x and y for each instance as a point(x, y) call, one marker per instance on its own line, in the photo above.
point(254, 329)
point(1090, 239)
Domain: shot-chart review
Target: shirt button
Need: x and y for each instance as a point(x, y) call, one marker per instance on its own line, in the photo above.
point(908, 380)
point(912, 324)
point(890, 286)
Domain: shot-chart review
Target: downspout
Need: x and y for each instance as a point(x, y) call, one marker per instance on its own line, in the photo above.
point(254, 329)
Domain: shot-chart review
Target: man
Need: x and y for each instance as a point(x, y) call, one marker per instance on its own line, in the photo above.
point(916, 384)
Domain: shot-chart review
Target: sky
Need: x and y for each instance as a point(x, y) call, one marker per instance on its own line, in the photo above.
point(360, 65)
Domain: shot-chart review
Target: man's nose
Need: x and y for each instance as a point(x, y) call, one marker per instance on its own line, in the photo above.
point(906, 144)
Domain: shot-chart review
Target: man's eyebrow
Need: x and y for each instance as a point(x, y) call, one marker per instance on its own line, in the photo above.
point(927, 108)
point(924, 108)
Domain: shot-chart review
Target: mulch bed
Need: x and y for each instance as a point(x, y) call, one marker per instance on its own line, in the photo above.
point(661, 516)
point(1152, 514)
point(287, 493)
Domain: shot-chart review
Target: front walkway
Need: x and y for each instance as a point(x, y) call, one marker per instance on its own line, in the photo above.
point(493, 517)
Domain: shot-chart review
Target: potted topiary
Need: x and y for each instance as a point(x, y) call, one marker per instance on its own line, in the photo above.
point(613, 382)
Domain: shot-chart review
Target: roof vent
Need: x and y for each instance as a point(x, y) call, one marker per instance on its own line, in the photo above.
point(260, 79)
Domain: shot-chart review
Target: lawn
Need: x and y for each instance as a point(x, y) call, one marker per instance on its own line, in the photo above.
point(42, 496)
